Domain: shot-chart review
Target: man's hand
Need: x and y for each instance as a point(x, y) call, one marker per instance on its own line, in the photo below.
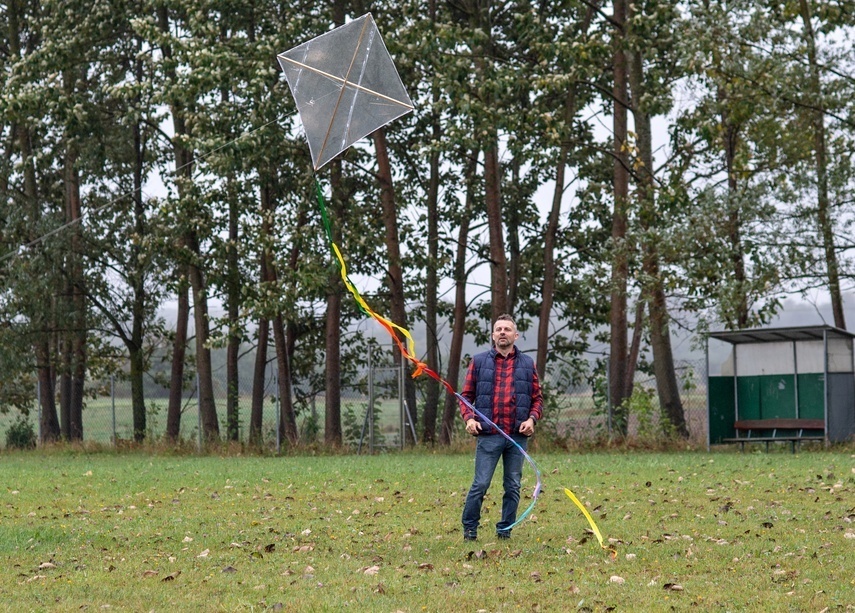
point(473, 426)
point(527, 427)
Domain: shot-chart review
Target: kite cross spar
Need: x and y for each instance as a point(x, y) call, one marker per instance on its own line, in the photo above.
point(346, 86)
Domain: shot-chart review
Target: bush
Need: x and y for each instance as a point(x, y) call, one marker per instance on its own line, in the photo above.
point(21, 435)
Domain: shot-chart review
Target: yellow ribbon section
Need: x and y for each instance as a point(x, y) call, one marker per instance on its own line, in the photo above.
point(410, 351)
point(590, 519)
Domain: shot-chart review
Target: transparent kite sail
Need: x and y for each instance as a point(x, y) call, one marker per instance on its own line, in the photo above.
point(345, 85)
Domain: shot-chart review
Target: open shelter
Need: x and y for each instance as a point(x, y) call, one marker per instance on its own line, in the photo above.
point(789, 384)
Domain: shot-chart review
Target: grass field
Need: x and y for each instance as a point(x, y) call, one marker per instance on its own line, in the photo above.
point(692, 531)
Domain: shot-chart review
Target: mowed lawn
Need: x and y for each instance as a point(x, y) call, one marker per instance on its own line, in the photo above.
point(691, 531)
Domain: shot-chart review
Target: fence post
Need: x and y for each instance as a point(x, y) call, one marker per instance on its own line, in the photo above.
point(278, 415)
point(198, 414)
point(370, 401)
point(39, 406)
point(113, 404)
point(401, 401)
point(609, 393)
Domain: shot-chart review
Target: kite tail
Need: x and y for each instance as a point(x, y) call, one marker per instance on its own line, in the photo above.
point(408, 351)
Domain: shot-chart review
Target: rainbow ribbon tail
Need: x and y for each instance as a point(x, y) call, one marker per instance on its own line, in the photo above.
point(538, 487)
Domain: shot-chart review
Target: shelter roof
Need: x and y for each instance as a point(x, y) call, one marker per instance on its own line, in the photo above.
point(775, 335)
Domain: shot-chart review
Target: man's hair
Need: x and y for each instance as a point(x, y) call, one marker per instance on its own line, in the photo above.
point(505, 317)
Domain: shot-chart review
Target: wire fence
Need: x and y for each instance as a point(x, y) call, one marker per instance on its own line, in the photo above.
point(576, 409)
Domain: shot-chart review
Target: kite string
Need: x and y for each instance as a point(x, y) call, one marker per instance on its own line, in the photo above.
point(422, 368)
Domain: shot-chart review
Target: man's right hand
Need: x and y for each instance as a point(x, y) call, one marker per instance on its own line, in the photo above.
point(473, 426)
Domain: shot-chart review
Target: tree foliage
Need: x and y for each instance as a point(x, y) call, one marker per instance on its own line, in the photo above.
point(151, 147)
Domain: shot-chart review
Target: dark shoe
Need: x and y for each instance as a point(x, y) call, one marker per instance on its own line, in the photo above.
point(470, 535)
point(503, 535)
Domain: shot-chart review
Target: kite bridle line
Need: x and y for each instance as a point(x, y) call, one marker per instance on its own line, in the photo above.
point(408, 352)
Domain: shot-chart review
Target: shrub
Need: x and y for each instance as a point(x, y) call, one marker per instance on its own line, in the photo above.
point(21, 435)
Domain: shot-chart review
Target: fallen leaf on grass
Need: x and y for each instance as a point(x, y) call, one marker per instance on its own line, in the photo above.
point(672, 587)
point(536, 576)
point(45, 565)
point(172, 576)
point(425, 566)
point(617, 579)
point(303, 548)
point(270, 548)
point(36, 578)
point(204, 554)
point(229, 569)
point(150, 573)
point(370, 570)
point(380, 589)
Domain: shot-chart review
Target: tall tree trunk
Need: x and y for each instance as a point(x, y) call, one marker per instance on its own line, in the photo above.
point(823, 206)
point(76, 363)
point(176, 379)
point(653, 285)
point(635, 346)
point(288, 418)
point(513, 228)
point(551, 234)
point(184, 161)
point(620, 249)
point(198, 287)
point(432, 390)
point(260, 372)
point(332, 383)
point(395, 273)
point(734, 218)
point(332, 324)
point(450, 408)
point(49, 423)
point(137, 281)
point(233, 306)
point(498, 261)
point(259, 379)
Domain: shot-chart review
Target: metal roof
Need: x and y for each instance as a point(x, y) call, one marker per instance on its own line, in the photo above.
point(774, 335)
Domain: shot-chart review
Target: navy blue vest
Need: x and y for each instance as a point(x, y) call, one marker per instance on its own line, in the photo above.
point(484, 365)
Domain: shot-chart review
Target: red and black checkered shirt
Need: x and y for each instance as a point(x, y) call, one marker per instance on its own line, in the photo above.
point(504, 405)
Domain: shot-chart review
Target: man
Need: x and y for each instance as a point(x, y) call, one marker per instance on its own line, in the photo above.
point(502, 384)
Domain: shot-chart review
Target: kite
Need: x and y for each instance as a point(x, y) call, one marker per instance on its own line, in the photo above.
point(346, 86)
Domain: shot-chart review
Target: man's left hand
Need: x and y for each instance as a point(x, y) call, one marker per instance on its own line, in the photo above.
point(527, 427)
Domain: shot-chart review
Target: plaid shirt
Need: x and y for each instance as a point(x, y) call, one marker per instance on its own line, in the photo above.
point(504, 406)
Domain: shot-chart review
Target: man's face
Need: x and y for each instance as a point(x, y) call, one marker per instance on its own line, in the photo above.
point(504, 334)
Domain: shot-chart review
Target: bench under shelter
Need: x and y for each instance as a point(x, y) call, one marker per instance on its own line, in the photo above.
point(790, 384)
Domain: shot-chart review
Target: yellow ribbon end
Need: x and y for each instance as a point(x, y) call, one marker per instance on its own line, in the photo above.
point(590, 519)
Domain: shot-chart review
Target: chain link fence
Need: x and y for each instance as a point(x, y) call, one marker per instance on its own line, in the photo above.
point(374, 415)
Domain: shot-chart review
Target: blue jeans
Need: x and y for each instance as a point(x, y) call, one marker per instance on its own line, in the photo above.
point(490, 448)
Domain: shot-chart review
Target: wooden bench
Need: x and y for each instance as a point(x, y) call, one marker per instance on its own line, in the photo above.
point(768, 431)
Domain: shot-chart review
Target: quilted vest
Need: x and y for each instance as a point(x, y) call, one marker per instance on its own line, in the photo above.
point(485, 377)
